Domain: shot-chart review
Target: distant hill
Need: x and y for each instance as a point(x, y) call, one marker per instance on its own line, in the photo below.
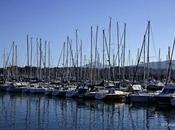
point(98, 65)
point(153, 65)
point(160, 65)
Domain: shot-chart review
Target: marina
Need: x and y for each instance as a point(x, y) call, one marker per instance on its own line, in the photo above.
point(62, 96)
point(72, 79)
point(87, 65)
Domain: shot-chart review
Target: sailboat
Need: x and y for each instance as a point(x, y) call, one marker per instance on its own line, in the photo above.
point(139, 95)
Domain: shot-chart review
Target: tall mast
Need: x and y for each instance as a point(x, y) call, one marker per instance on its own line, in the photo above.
point(40, 60)
point(49, 61)
point(113, 67)
point(124, 42)
point(109, 73)
point(169, 58)
point(77, 72)
point(31, 47)
point(96, 40)
point(16, 60)
point(103, 55)
point(67, 59)
point(144, 59)
point(148, 50)
point(27, 50)
point(91, 55)
point(64, 46)
point(118, 41)
point(13, 57)
point(37, 62)
point(81, 60)
point(45, 59)
point(27, 71)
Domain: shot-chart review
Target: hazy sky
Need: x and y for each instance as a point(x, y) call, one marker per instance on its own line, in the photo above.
point(54, 20)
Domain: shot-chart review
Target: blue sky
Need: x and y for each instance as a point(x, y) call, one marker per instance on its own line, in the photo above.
point(54, 20)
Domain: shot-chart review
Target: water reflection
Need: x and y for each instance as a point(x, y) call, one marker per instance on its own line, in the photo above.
point(39, 112)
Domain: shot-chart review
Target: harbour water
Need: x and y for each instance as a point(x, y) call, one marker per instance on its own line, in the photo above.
point(30, 112)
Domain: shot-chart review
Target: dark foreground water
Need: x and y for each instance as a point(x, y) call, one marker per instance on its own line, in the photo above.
point(19, 112)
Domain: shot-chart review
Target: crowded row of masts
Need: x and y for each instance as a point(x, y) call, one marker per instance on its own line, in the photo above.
point(32, 70)
point(42, 57)
point(110, 74)
point(76, 65)
point(6, 58)
point(93, 68)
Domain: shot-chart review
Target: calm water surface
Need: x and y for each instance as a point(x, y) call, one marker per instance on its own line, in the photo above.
point(30, 112)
